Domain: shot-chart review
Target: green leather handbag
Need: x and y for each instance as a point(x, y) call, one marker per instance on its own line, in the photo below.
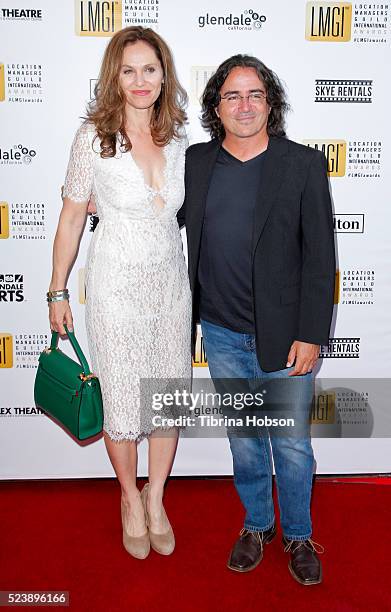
point(67, 391)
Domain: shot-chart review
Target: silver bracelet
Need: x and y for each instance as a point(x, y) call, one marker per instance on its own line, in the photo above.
point(57, 296)
point(57, 299)
point(56, 292)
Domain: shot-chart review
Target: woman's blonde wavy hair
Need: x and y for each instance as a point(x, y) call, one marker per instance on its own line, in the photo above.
point(106, 111)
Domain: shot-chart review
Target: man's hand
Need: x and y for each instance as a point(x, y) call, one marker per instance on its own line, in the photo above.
point(91, 209)
point(304, 355)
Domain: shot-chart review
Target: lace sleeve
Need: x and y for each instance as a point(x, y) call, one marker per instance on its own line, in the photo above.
point(183, 137)
point(78, 180)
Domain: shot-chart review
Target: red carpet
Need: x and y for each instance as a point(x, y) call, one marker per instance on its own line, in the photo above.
point(66, 535)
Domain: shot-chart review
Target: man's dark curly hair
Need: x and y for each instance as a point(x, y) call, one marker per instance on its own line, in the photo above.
point(276, 96)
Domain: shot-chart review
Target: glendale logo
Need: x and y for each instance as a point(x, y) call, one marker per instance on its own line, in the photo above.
point(17, 154)
point(247, 20)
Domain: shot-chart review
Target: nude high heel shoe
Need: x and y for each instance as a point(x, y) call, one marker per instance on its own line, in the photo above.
point(162, 543)
point(137, 546)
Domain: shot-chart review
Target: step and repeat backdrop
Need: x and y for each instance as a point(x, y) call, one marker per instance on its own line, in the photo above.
point(334, 59)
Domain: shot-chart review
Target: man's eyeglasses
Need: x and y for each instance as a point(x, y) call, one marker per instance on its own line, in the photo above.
point(256, 97)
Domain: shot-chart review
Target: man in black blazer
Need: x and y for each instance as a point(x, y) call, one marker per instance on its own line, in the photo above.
point(261, 259)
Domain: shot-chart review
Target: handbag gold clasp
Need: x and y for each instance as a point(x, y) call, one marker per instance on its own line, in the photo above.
point(83, 377)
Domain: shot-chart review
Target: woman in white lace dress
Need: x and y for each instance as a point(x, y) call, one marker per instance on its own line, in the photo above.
point(129, 156)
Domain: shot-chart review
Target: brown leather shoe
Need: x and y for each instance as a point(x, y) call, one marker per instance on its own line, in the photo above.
point(304, 564)
point(247, 552)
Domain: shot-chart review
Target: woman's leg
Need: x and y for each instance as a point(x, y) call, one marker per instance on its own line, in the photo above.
point(162, 447)
point(123, 457)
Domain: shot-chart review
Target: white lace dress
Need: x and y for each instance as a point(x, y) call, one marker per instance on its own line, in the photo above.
point(138, 301)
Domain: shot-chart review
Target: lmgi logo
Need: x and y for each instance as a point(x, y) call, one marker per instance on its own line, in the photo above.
point(328, 21)
point(2, 83)
point(199, 360)
point(199, 77)
point(97, 17)
point(4, 220)
point(82, 286)
point(323, 409)
point(335, 152)
point(6, 351)
point(337, 287)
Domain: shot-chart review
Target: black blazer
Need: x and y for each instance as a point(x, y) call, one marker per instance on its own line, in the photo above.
point(293, 265)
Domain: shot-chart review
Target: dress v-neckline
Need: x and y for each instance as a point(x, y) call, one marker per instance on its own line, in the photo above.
point(147, 186)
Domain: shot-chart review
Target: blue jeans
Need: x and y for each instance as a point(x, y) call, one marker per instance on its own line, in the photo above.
point(233, 355)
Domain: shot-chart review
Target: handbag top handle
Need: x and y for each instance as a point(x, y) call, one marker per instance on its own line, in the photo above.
point(75, 346)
